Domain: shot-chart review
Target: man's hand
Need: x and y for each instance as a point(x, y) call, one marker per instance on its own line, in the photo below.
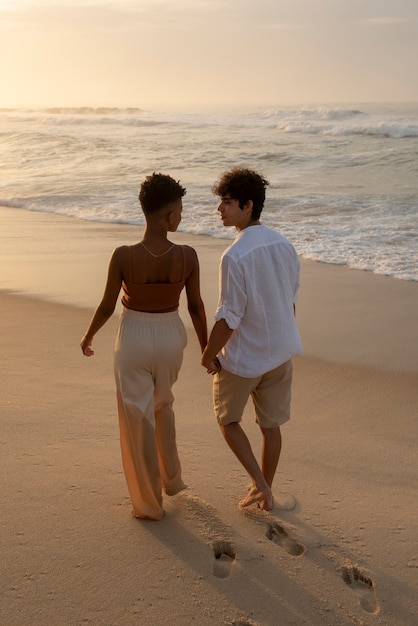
point(212, 367)
point(218, 338)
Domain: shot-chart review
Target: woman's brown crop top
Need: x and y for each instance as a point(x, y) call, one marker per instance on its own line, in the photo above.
point(152, 297)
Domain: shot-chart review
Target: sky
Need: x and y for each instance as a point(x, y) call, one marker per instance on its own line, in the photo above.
point(207, 52)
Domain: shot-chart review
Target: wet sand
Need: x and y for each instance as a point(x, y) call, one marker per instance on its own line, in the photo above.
point(340, 545)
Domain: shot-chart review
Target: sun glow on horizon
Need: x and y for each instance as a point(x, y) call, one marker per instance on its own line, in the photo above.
point(132, 52)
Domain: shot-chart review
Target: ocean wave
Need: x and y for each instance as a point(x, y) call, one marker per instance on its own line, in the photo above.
point(84, 110)
point(265, 118)
point(379, 128)
point(69, 120)
point(332, 114)
point(311, 121)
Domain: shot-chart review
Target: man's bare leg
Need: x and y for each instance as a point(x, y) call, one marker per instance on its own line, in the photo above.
point(238, 441)
point(272, 446)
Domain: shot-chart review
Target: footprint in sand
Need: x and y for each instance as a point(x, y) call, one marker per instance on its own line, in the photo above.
point(241, 622)
point(211, 528)
point(279, 536)
point(285, 502)
point(363, 585)
point(224, 553)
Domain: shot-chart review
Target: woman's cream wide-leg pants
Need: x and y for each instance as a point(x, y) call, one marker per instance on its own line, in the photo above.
point(148, 356)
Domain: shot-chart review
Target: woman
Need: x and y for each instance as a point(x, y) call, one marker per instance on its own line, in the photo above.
point(150, 342)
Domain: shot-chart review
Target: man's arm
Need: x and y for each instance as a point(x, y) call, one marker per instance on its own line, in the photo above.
point(218, 338)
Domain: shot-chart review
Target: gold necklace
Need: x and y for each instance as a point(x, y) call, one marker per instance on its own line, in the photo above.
point(156, 256)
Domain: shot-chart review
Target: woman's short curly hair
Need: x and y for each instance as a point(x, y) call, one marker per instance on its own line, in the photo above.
point(243, 185)
point(158, 190)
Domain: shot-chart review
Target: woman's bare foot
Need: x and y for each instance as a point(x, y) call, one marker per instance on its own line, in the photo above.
point(175, 487)
point(264, 498)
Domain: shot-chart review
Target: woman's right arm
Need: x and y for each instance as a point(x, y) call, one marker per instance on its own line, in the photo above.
point(108, 302)
point(195, 304)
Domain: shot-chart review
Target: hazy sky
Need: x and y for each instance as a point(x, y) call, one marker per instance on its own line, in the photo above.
point(142, 52)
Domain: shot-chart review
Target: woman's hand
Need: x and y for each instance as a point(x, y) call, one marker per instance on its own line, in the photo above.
point(86, 346)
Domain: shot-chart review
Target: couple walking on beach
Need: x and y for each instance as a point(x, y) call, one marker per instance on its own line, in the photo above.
point(249, 351)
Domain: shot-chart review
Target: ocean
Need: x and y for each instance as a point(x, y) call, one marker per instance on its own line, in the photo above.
point(343, 180)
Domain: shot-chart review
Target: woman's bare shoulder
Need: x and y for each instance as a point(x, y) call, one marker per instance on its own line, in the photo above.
point(121, 250)
point(191, 256)
point(191, 252)
point(119, 255)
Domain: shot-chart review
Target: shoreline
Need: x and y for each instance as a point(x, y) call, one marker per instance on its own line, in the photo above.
point(360, 317)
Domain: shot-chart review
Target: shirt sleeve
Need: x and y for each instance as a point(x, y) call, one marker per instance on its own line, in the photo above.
point(297, 279)
point(233, 296)
point(294, 271)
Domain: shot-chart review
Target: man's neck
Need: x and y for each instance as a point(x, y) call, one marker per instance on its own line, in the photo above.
point(251, 223)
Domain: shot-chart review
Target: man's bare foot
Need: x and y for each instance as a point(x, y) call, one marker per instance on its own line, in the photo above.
point(264, 499)
point(267, 505)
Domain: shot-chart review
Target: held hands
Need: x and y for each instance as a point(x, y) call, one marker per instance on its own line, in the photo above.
point(220, 335)
point(86, 346)
point(212, 367)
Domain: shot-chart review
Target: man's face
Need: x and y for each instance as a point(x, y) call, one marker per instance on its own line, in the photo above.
point(231, 214)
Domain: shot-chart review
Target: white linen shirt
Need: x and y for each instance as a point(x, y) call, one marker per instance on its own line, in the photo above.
point(258, 286)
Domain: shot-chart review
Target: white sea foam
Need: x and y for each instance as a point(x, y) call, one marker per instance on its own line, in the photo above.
point(343, 179)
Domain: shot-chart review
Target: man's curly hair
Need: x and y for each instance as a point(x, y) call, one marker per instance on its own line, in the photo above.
point(243, 185)
point(158, 190)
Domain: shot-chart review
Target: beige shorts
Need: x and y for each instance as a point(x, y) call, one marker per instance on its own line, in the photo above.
point(270, 393)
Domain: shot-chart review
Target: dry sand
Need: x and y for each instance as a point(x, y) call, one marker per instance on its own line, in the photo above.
point(339, 548)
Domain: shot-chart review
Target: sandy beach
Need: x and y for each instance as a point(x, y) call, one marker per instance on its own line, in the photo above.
point(339, 548)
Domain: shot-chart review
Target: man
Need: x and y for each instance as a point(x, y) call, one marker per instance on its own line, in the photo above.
point(255, 334)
